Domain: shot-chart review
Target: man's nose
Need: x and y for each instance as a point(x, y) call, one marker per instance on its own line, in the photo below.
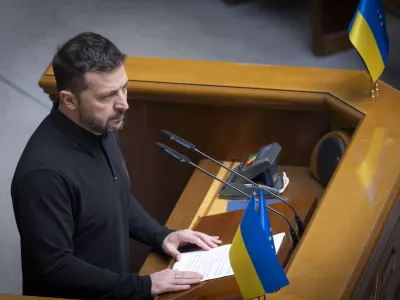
point(122, 103)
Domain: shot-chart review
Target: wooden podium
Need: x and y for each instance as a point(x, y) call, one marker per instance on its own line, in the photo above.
point(229, 111)
point(211, 217)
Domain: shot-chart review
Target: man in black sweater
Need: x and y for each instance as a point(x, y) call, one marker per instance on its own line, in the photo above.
point(71, 190)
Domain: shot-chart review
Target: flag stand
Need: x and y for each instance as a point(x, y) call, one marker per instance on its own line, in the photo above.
point(374, 88)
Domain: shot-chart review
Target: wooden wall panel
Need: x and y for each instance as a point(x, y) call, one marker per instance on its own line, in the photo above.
point(392, 6)
point(330, 21)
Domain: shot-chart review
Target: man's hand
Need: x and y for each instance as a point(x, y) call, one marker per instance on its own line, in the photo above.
point(172, 281)
point(179, 238)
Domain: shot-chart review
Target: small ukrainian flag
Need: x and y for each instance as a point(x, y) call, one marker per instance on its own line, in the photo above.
point(367, 32)
point(252, 254)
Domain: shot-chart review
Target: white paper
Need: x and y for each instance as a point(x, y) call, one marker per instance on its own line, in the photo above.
point(211, 264)
point(214, 263)
point(278, 239)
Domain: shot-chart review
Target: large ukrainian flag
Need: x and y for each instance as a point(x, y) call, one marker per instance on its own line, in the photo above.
point(367, 32)
point(252, 254)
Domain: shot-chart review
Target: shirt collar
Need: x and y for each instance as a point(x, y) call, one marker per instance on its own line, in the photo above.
point(83, 137)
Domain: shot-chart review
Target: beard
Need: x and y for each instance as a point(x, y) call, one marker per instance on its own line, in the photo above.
point(98, 126)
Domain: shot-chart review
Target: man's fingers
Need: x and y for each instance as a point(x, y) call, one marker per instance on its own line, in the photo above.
point(173, 280)
point(174, 252)
point(188, 275)
point(199, 242)
point(178, 287)
point(212, 242)
point(187, 278)
point(187, 281)
point(216, 239)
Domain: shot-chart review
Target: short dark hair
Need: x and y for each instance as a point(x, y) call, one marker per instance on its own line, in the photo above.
point(85, 52)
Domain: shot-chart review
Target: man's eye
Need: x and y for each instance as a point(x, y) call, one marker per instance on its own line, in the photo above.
point(108, 96)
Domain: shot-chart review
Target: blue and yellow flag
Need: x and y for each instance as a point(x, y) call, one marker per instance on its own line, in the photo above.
point(252, 254)
point(367, 32)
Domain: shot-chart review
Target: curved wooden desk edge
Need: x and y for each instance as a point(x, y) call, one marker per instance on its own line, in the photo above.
point(152, 75)
point(362, 192)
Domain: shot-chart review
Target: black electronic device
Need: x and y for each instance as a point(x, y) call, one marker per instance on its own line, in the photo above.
point(327, 154)
point(261, 168)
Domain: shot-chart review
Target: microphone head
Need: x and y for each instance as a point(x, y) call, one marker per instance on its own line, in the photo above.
point(182, 158)
point(179, 140)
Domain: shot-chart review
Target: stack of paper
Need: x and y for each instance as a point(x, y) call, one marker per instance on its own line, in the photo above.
point(213, 263)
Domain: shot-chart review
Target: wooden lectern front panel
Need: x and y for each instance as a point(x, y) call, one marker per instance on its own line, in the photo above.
point(223, 132)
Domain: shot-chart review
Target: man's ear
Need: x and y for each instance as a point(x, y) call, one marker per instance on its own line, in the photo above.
point(69, 100)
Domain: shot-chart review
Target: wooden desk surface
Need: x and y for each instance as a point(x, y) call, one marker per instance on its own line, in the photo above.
point(365, 186)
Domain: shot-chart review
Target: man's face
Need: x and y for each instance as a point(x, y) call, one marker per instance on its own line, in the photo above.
point(102, 105)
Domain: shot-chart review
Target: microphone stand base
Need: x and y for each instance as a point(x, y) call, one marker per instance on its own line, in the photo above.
point(228, 193)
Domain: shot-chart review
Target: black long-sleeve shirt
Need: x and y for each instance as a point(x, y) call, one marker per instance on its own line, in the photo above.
point(75, 215)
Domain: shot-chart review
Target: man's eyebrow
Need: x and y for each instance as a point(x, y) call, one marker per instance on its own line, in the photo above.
point(113, 91)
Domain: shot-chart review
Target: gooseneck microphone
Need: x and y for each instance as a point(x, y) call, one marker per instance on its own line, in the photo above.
point(184, 159)
point(190, 146)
